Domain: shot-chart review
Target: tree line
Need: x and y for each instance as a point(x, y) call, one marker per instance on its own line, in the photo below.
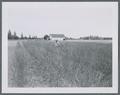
point(46, 37)
point(15, 36)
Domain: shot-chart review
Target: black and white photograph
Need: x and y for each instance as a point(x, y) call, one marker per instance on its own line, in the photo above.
point(63, 47)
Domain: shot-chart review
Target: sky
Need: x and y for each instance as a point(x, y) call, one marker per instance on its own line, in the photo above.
point(73, 19)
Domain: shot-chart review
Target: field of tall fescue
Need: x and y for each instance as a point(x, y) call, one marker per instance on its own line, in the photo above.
point(69, 64)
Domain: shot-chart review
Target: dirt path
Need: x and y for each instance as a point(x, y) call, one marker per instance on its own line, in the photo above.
point(11, 65)
point(15, 71)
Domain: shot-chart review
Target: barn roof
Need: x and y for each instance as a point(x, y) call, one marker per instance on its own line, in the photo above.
point(57, 35)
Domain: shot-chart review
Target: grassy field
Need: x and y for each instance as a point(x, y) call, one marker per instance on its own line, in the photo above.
point(38, 63)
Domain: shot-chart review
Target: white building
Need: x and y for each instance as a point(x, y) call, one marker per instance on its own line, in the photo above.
point(57, 37)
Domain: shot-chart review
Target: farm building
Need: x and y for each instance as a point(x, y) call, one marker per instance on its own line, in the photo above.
point(57, 37)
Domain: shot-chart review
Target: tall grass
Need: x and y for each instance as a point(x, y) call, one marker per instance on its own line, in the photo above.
point(70, 64)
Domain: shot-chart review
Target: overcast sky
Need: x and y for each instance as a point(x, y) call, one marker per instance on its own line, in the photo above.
point(74, 19)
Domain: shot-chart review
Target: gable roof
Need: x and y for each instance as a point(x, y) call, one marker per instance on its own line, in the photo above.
point(57, 35)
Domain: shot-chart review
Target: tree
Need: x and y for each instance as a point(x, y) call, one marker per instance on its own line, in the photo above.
point(12, 36)
point(30, 37)
point(46, 37)
point(22, 36)
point(15, 36)
point(9, 34)
point(25, 37)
